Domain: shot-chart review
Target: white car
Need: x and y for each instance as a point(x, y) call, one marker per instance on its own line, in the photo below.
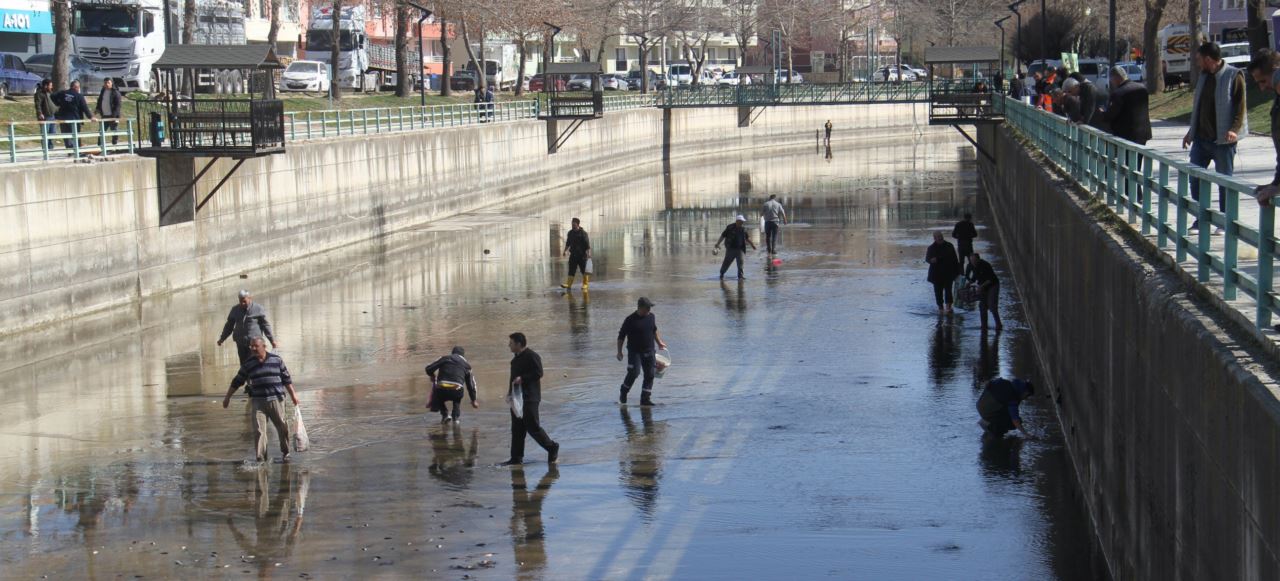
point(732, 79)
point(1236, 54)
point(615, 82)
point(788, 77)
point(305, 76)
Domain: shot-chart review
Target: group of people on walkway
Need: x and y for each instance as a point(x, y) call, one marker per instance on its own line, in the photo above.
point(69, 105)
point(945, 268)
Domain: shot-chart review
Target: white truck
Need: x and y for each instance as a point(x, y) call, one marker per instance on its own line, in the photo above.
point(352, 70)
point(124, 38)
point(501, 64)
point(1175, 47)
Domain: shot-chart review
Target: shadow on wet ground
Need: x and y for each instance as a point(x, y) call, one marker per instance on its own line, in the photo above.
point(818, 421)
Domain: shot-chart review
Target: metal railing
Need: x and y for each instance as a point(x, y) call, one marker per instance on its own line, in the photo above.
point(45, 140)
point(793, 94)
point(1153, 193)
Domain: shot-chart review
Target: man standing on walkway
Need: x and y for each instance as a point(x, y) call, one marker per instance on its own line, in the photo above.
point(774, 215)
point(988, 290)
point(826, 128)
point(735, 241)
point(71, 107)
point(449, 376)
point(640, 332)
point(998, 406)
point(578, 246)
point(1128, 113)
point(268, 381)
point(526, 376)
point(1265, 70)
point(944, 267)
point(108, 108)
point(246, 321)
point(1218, 120)
point(45, 109)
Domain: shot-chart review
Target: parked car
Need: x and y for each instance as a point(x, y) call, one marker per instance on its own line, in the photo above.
point(732, 79)
point(580, 83)
point(681, 74)
point(463, 81)
point(305, 76)
point(894, 74)
point(90, 77)
point(1137, 72)
point(1097, 72)
point(615, 82)
point(1038, 66)
point(1236, 54)
point(14, 76)
point(788, 77)
point(656, 81)
point(536, 83)
point(921, 74)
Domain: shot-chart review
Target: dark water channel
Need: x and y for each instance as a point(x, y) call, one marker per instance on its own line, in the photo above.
point(818, 422)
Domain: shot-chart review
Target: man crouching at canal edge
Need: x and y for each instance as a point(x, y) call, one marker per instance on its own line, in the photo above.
point(526, 376)
point(449, 376)
point(268, 381)
point(998, 406)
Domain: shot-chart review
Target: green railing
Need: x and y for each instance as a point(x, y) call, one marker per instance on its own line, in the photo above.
point(793, 94)
point(40, 140)
point(1152, 192)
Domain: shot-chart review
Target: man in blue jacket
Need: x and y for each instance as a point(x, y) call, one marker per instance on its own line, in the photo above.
point(998, 406)
point(71, 107)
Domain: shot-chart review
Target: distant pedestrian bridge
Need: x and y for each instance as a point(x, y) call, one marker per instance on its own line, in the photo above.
point(765, 95)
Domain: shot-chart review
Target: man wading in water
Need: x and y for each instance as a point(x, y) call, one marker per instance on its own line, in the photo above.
point(526, 376)
point(449, 376)
point(578, 246)
point(640, 332)
point(735, 241)
point(268, 381)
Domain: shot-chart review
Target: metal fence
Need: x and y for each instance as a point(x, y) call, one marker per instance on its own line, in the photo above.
point(793, 94)
point(1153, 193)
point(39, 140)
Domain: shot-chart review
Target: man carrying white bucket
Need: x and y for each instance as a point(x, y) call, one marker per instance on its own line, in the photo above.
point(640, 332)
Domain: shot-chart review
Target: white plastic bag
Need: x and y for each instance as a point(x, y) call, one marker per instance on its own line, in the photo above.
point(588, 268)
point(300, 440)
point(516, 398)
point(661, 361)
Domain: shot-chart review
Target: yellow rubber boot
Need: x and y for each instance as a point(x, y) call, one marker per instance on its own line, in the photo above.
point(568, 282)
point(586, 280)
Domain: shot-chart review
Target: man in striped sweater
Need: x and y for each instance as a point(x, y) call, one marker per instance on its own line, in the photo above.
point(268, 381)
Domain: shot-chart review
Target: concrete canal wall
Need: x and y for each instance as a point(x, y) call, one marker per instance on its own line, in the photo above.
point(1169, 408)
point(82, 237)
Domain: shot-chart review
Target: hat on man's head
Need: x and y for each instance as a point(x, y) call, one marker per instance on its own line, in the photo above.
point(740, 218)
point(644, 302)
point(245, 294)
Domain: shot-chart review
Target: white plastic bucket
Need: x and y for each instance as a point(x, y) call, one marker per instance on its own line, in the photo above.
point(662, 360)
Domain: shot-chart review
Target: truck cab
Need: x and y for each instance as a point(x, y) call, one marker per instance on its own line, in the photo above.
point(352, 70)
point(123, 38)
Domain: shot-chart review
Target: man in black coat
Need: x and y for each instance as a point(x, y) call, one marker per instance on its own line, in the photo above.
point(108, 108)
point(450, 375)
point(526, 376)
point(944, 267)
point(1128, 113)
point(71, 107)
point(1265, 70)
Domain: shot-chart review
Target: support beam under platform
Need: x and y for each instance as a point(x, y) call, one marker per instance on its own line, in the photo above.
point(975, 144)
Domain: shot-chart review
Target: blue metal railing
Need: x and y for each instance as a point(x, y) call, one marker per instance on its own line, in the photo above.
point(41, 140)
point(793, 94)
point(1152, 192)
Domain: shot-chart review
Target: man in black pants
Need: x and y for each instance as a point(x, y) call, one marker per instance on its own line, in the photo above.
point(526, 376)
point(640, 331)
point(988, 289)
point(998, 406)
point(735, 241)
point(964, 233)
point(943, 270)
point(449, 376)
point(578, 246)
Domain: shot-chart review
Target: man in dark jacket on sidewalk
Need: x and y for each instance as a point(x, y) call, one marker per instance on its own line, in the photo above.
point(449, 376)
point(246, 321)
point(526, 376)
point(1128, 113)
point(108, 108)
point(45, 109)
point(71, 107)
point(1265, 70)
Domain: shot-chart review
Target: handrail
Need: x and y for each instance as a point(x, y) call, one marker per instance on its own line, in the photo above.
point(1152, 192)
point(39, 140)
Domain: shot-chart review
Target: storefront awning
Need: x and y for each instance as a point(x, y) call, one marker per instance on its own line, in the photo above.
point(25, 16)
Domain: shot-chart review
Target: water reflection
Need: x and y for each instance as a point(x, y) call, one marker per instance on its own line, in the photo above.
point(640, 467)
point(735, 297)
point(987, 366)
point(1002, 458)
point(944, 352)
point(452, 460)
point(278, 509)
point(527, 533)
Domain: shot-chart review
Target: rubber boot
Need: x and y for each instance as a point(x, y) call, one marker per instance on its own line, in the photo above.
point(586, 280)
point(568, 282)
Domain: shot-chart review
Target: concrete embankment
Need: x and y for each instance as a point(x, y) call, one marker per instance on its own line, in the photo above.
point(1169, 408)
point(83, 237)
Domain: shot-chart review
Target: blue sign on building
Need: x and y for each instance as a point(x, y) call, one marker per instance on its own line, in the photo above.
point(27, 16)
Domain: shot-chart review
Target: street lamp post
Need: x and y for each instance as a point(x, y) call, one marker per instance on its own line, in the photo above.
point(1111, 44)
point(422, 56)
point(1017, 39)
point(1000, 24)
point(1044, 32)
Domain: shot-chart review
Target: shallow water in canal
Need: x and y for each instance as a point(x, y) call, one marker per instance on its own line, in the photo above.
point(818, 420)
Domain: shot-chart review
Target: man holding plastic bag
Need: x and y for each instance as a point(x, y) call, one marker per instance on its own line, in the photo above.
point(525, 397)
point(268, 380)
point(578, 246)
point(640, 332)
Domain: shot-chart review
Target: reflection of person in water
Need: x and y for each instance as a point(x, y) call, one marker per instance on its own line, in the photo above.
point(943, 353)
point(526, 521)
point(277, 517)
point(988, 364)
point(451, 461)
point(735, 301)
point(641, 466)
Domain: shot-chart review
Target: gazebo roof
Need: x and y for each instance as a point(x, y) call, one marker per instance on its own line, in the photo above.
point(202, 56)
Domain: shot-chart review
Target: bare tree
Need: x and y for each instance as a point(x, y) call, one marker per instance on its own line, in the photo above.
point(1193, 33)
point(335, 41)
point(403, 88)
point(61, 73)
point(522, 21)
point(647, 22)
point(1257, 23)
point(1151, 44)
point(743, 19)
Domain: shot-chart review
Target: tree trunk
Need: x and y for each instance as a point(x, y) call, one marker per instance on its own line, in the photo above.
point(335, 36)
point(61, 45)
point(471, 55)
point(188, 37)
point(1151, 46)
point(643, 45)
point(522, 52)
point(1257, 19)
point(446, 59)
point(1193, 28)
point(403, 87)
point(273, 32)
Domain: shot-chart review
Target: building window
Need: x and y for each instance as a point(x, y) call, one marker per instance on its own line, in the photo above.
point(711, 54)
point(620, 54)
point(733, 55)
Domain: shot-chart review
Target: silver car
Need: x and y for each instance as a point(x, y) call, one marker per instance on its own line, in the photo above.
point(90, 77)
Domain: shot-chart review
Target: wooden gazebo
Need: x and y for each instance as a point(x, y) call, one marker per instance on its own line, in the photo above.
point(955, 99)
point(182, 127)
